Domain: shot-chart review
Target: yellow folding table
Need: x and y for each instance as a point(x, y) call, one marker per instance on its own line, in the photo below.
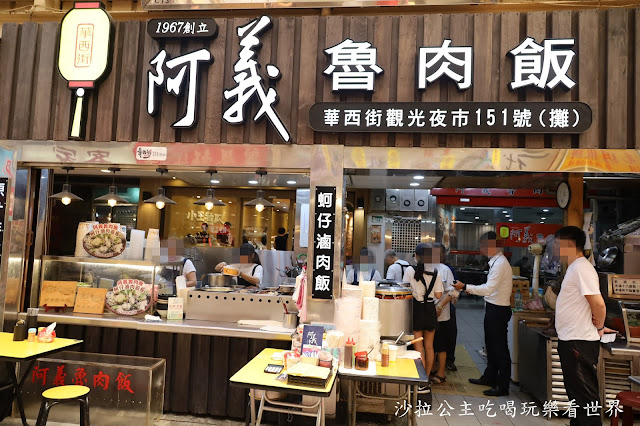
point(24, 351)
point(253, 377)
point(407, 372)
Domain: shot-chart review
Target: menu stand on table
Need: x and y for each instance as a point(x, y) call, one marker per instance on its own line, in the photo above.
point(27, 352)
point(407, 372)
point(253, 377)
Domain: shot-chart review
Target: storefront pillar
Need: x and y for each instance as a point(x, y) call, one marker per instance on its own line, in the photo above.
point(326, 170)
point(574, 213)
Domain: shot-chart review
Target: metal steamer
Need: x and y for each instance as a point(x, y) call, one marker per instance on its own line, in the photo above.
point(396, 309)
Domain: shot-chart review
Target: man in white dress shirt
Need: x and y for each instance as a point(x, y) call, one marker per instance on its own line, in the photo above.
point(497, 297)
point(396, 269)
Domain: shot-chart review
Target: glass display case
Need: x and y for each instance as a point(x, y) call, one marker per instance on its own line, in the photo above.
point(105, 273)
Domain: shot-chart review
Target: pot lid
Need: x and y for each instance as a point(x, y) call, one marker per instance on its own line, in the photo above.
point(386, 288)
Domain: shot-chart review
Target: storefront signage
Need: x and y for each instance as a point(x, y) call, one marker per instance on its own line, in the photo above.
point(456, 63)
point(542, 66)
point(493, 192)
point(353, 66)
point(182, 28)
point(151, 153)
point(451, 117)
point(172, 74)
point(49, 374)
point(325, 215)
point(524, 234)
point(249, 83)
point(84, 56)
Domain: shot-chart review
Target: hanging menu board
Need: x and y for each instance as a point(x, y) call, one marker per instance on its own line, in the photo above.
point(3, 202)
point(325, 225)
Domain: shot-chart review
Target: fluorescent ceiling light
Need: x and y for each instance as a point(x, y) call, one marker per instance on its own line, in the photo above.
point(464, 200)
point(105, 171)
point(504, 211)
point(291, 182)
point(463, 208)
point(477, 217)
point(253, 182)
point(215, 181)
point(418, 177)
point(543, 218)
point(510, 220)
point(545, 210)
point(414, 184)
point(461, 221)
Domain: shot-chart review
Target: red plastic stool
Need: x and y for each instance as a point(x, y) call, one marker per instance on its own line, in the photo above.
point(628, 401)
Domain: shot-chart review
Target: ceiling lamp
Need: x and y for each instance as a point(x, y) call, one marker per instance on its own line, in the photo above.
point(66, 196)
point(160, 199)
point(112, 198)
point(259, 202)
point(210, 200)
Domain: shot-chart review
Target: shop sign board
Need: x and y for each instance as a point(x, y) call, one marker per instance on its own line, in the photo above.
point(493, 192)
point(323, 256)
point(113, 377)
point(151, 153)
point(171, 74)
point(84, 56)
point(353, 67)
point(451, 117)
point(524, 234)
point(182, 28)
point(250, 85)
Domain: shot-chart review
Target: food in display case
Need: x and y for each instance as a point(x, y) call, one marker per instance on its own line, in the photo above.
point(105, 241)
point(129, 297)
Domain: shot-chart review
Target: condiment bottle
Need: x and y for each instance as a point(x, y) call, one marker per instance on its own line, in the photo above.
point(32, 335)
point(348, 353)
point(385, 355)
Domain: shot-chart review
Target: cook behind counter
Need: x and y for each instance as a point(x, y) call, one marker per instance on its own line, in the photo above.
point(250, 274)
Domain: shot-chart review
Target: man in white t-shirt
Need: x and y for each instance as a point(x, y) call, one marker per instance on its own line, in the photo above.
point(395, 271)
point(580, 315)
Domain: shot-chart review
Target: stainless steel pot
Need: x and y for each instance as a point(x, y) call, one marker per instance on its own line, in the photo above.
point(219, 280)
point(396, 309)
point(402, 345)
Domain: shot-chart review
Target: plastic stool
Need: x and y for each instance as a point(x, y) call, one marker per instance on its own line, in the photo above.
point(628, 401)
point(62, 394)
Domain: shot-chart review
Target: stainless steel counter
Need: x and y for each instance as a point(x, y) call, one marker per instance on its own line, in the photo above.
point(621, 349)
point(198, 327)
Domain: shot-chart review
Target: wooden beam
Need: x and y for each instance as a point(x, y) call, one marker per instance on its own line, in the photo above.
point(574, 213)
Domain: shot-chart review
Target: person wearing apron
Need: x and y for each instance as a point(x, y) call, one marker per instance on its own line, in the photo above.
point(249, 267)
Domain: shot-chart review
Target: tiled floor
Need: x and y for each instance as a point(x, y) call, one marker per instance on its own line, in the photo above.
point(470, 315)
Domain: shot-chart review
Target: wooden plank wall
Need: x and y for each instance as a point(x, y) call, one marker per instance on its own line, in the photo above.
point(198, 368)
point(36, 102)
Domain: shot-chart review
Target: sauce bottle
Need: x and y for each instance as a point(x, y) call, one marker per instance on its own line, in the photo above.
point(348, 353)
point(385, 355)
